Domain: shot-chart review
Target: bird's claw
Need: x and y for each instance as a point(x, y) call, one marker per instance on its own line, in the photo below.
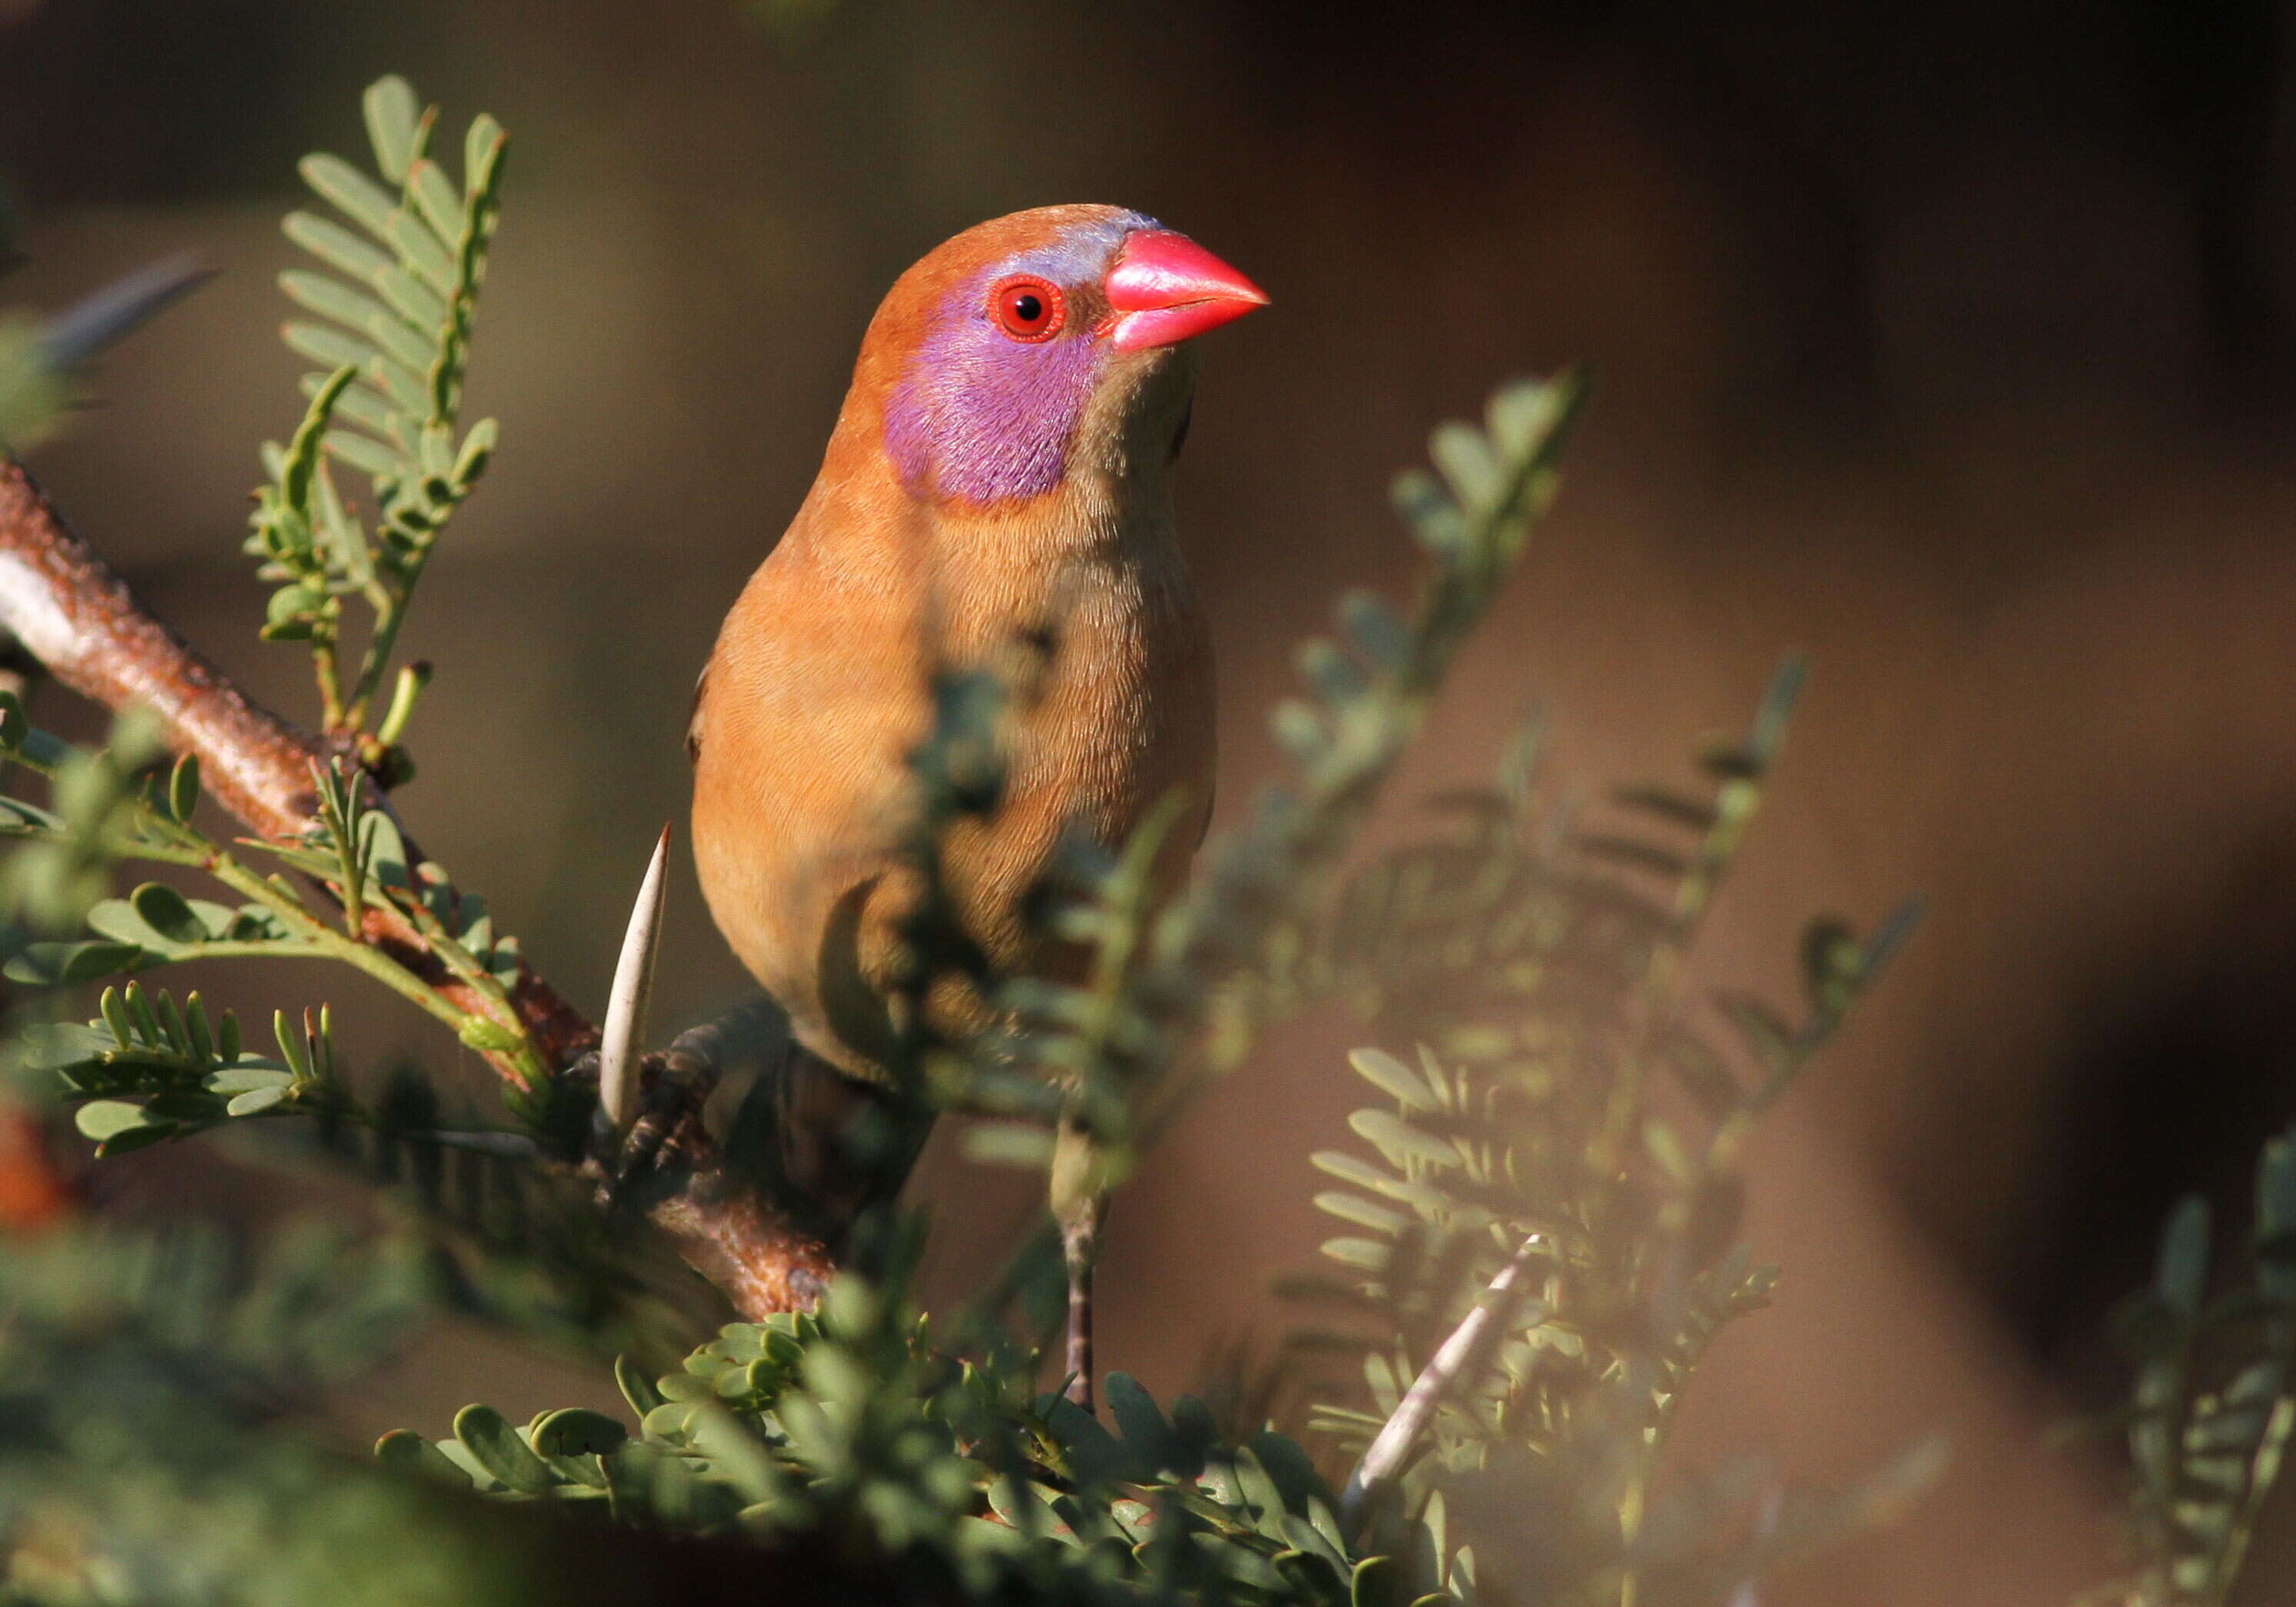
point(673, 1084)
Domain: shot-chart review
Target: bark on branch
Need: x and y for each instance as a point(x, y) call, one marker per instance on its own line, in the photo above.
point(73, 614)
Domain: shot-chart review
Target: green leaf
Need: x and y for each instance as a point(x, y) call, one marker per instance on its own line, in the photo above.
point(139, 1011)
point(1147, 1435)
point(359, 197)
point(1399, 1141)
point(408, 393)
point(183, 788)
point(332, 299)
point(393, 338)
point(1392, 1077)
point(1833, 963)
point(290, 610)
point(495, 1447)
point(115, 1017)
point(1094, 1454)
point(329, 347)
point(482, 156)
point(1361, 1212)
point(369, 457)
point(1373, 625)
point(1352, 1168)
point(247, 1078)
point(636, 1388)
point(202, 1036)
point(369, 411)
point(65, 1048)
point(1376, 1583)
point(1464, 457)
point(670, 1419)
point(394, 126)
point(486, 1038)
point(440, 207)
point(166, 911)
point(33, 395)
point(291, 1047)
point(420, 250)
point(401, 1448)
point(255, 1102)
point(412, 300)
point(1364, 1255)
point(337, 247)
point(382, 849)
point(105, 1118)
point(62, 965)
point(578, 1431)
point(137, 1138)
point(478, 451)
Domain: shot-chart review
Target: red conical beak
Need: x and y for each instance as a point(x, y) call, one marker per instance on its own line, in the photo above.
point(1166, 288)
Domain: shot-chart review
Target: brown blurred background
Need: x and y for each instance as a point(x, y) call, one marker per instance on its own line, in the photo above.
point(1953, 344)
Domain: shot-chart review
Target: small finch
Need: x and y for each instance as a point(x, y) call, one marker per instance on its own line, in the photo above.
point(1001, 472)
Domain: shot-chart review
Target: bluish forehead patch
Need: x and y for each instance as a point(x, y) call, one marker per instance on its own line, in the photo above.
point(1079, 256)
point(980, 417)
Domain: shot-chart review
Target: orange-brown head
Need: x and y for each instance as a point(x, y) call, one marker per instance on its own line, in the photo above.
point(1029, 344)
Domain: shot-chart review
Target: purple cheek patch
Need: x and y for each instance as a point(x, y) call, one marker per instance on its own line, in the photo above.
point(980, 417)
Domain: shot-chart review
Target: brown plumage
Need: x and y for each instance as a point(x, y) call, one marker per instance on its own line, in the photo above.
point(987, 483)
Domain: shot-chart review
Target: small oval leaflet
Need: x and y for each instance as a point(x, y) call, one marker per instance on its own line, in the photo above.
point(578, 1431)
point(103, 1119)
point(255, 1102)
point(495, 1447)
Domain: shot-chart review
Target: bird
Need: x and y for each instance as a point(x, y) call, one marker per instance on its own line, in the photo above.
point(1000, 473)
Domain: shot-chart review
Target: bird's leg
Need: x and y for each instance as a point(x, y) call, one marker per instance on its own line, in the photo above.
point(1078, 1200)
point(1080, 1243)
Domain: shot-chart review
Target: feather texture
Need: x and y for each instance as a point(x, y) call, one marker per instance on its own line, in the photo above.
point(978, 492)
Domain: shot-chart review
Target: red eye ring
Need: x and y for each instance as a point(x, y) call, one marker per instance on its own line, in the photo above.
point(1027, 307)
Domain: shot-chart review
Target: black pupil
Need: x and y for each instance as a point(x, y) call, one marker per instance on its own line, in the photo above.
point(1027, 307)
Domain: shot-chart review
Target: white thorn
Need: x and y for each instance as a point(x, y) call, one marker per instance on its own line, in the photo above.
point(625, 1006)
point(1400, 1435)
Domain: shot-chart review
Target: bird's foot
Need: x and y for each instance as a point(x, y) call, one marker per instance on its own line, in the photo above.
point(673, 1086)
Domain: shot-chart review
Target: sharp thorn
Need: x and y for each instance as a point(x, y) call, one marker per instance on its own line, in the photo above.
point(625, 1006)
point(82, 330)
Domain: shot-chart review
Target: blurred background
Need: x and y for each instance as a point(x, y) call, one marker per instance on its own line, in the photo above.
point(1954, 344)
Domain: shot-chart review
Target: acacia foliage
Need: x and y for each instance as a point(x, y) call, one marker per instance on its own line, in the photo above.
point(1539, 1204)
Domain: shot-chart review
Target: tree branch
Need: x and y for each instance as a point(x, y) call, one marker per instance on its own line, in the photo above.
point(73, 614)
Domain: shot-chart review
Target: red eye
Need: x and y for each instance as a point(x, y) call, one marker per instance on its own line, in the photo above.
point(1028, 307)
